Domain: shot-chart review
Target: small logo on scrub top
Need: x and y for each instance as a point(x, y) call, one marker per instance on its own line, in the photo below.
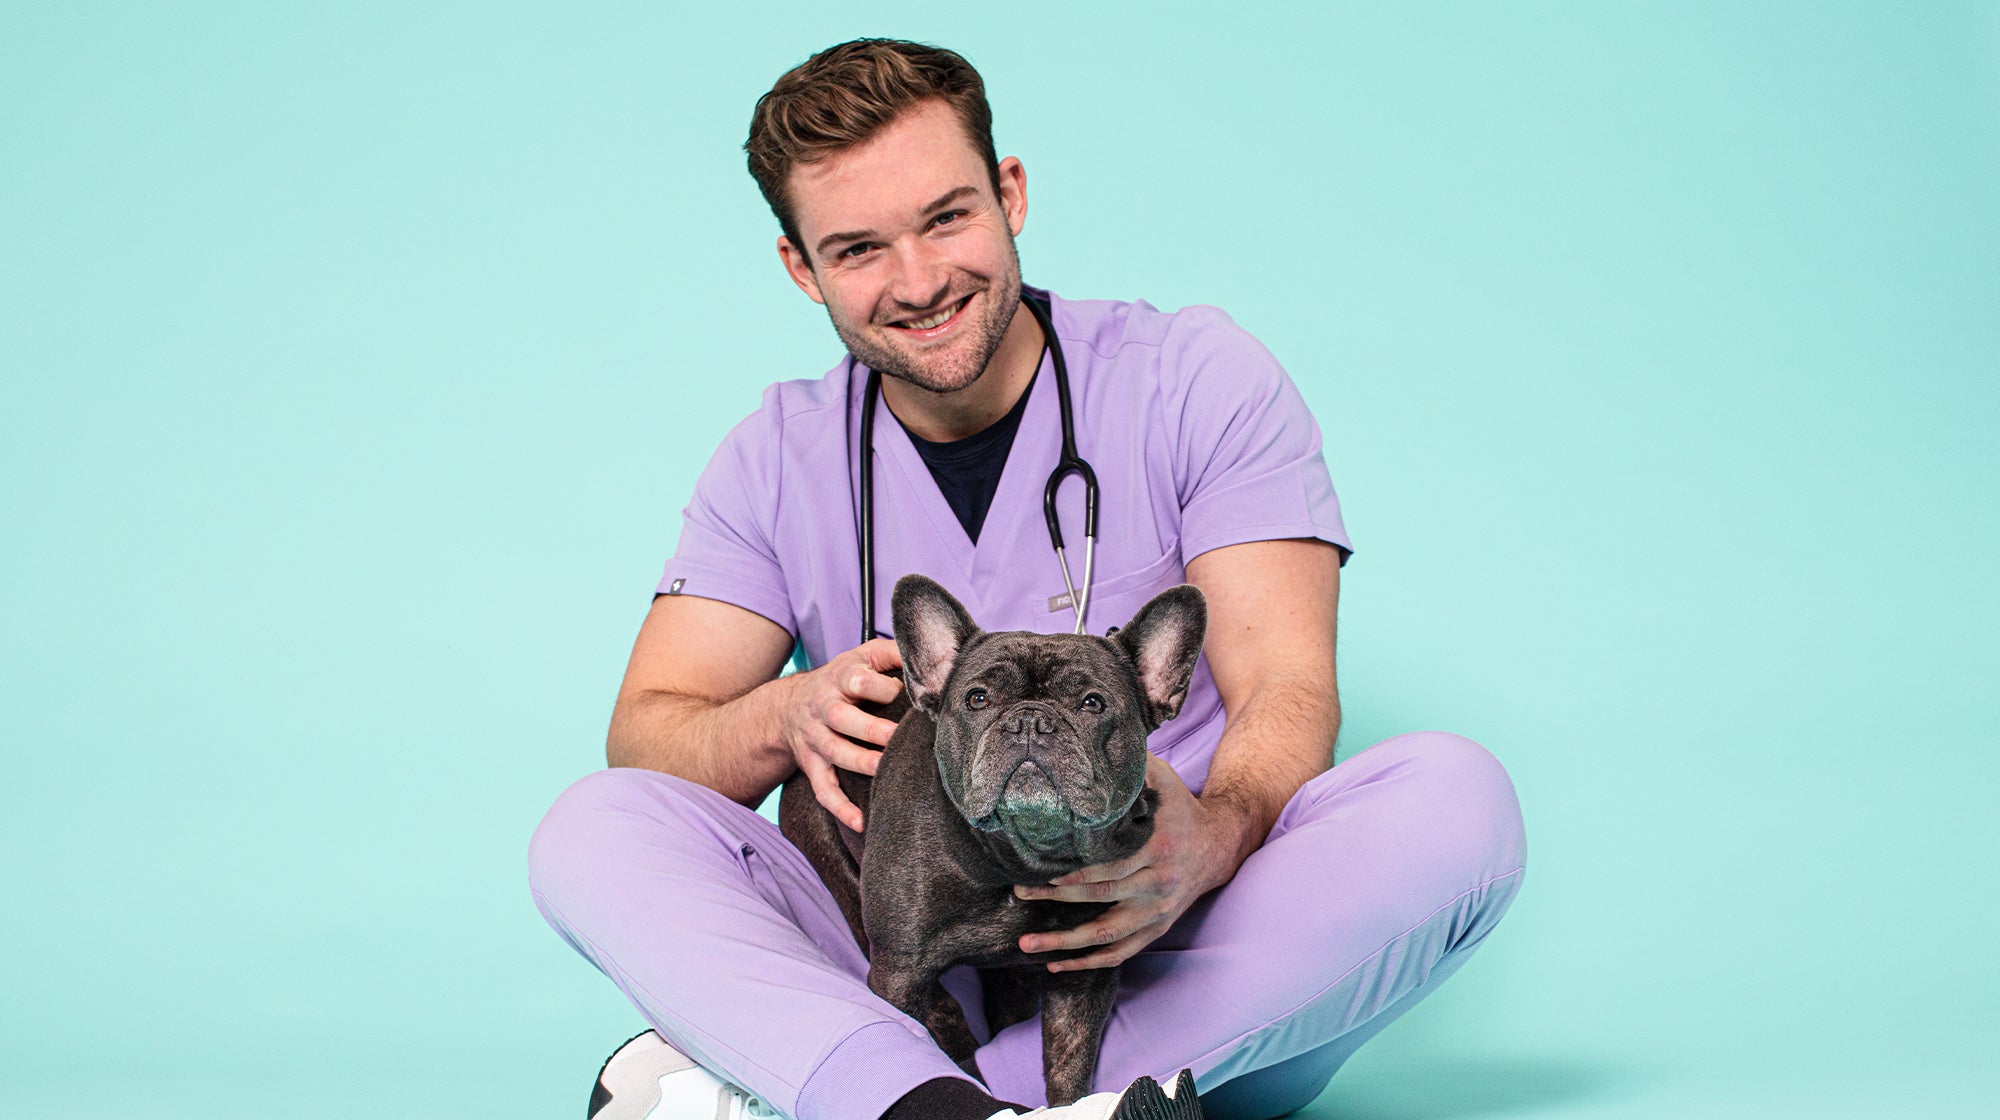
point(674, 588)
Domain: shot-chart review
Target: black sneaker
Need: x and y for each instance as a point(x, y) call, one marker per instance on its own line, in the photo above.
point(1144, 1099)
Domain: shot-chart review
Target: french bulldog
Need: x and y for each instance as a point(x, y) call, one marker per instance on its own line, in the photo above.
point(1018, 758)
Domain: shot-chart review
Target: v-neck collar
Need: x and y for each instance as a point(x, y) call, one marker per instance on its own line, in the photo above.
point(1015, 511)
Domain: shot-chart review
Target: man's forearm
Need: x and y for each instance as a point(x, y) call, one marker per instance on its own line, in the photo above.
point(734, 747)
point(1281, 739)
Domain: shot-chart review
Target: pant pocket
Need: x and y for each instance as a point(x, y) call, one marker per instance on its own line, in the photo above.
point(766, 881)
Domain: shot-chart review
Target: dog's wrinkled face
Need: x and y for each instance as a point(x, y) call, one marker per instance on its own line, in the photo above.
point(1042, 737)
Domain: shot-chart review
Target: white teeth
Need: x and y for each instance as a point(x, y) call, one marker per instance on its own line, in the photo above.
point(936, 320)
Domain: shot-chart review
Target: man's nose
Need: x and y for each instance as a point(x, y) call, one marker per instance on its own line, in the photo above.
point(922, 277)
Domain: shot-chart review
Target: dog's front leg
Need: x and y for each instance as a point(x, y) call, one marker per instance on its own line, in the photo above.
point(917, 993)
point(1012, 995)
point(1075, 1006)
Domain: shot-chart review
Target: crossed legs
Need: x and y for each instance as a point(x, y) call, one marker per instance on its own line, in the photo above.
point(1378, 881)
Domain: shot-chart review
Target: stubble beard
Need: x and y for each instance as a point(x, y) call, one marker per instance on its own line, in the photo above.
point(951, 372)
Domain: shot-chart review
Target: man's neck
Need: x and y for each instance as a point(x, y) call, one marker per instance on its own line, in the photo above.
point(943, 417)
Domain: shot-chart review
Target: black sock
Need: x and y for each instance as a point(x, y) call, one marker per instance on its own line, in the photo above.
point(947, 1098)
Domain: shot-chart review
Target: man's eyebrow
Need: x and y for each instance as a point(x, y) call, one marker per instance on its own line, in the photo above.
point(942, 201)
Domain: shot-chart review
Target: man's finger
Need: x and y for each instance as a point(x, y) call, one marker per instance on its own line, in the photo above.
point(1107, 928)
point(881, 654)
point(859, 682)
point(845, 753)
point(1111, 956)
point(1104, 890)
point(1102, 872)
point(853, 722)
point(826, 789)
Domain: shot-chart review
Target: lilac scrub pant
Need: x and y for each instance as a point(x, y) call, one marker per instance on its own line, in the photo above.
point(1378, 881)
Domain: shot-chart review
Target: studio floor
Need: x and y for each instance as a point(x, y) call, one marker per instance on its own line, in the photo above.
point(1388, 1088)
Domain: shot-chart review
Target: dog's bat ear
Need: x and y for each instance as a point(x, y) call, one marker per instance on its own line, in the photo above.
point(1164, 639)
point(931, 627)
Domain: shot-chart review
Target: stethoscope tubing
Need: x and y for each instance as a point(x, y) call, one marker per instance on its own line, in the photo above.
point(1069, 463)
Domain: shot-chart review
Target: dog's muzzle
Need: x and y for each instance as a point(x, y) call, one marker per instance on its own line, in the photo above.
point(1031, 775)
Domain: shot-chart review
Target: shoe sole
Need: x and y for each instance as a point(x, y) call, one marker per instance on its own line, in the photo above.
point(1145, 1100)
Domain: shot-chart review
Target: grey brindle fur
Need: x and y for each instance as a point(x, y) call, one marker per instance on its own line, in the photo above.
point(1043, 774)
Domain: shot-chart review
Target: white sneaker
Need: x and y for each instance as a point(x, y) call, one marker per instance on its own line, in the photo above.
point(1144, 1099)
point(646, 1079)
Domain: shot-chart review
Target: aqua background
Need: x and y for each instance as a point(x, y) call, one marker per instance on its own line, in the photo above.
point(359, 358)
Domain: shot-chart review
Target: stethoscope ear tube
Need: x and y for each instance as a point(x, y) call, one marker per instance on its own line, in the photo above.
point(1070, 463)
point(1063, 470)
point(867, 534)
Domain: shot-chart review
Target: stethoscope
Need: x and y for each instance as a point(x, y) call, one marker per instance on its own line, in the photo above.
point(1070, 463)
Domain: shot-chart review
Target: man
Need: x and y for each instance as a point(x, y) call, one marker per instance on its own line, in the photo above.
point(1283, 912)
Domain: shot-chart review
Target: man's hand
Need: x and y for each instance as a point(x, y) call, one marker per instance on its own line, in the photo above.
point(820, 720)
point(1195, 848)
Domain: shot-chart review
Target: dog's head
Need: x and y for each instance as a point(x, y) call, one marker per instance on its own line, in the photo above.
point(1041, 738)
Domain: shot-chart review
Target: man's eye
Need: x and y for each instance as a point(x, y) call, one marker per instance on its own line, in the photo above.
point(947, 218)
point(976, 698)
point(853, 251)
point(1093, 703)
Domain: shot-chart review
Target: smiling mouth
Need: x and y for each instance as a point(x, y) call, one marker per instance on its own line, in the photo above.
point(931, 324)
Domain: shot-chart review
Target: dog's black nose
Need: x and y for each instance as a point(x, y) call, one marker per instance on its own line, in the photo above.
point(1031, 721)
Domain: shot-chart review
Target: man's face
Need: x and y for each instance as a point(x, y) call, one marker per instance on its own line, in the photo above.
point(909, 250)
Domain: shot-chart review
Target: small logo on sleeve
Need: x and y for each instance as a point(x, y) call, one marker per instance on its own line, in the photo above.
point(674, 588)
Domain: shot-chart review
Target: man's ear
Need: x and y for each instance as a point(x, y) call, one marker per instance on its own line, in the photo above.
point(799, 269)
point(1014, 194)
point(931, 627)
point(1164, 639)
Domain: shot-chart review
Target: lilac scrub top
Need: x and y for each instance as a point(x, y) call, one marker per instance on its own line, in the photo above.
point(1198, 438)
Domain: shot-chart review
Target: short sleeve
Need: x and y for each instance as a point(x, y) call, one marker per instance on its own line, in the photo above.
point(726, 550)
point(1247, 460)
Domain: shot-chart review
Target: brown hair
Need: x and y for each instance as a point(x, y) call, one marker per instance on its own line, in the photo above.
point(847, 93)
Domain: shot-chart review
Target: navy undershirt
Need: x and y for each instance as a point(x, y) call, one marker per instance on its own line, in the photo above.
point(968, 470)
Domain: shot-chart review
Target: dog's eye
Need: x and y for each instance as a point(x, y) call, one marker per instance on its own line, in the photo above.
point(976, 698)
point(1093, 703)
